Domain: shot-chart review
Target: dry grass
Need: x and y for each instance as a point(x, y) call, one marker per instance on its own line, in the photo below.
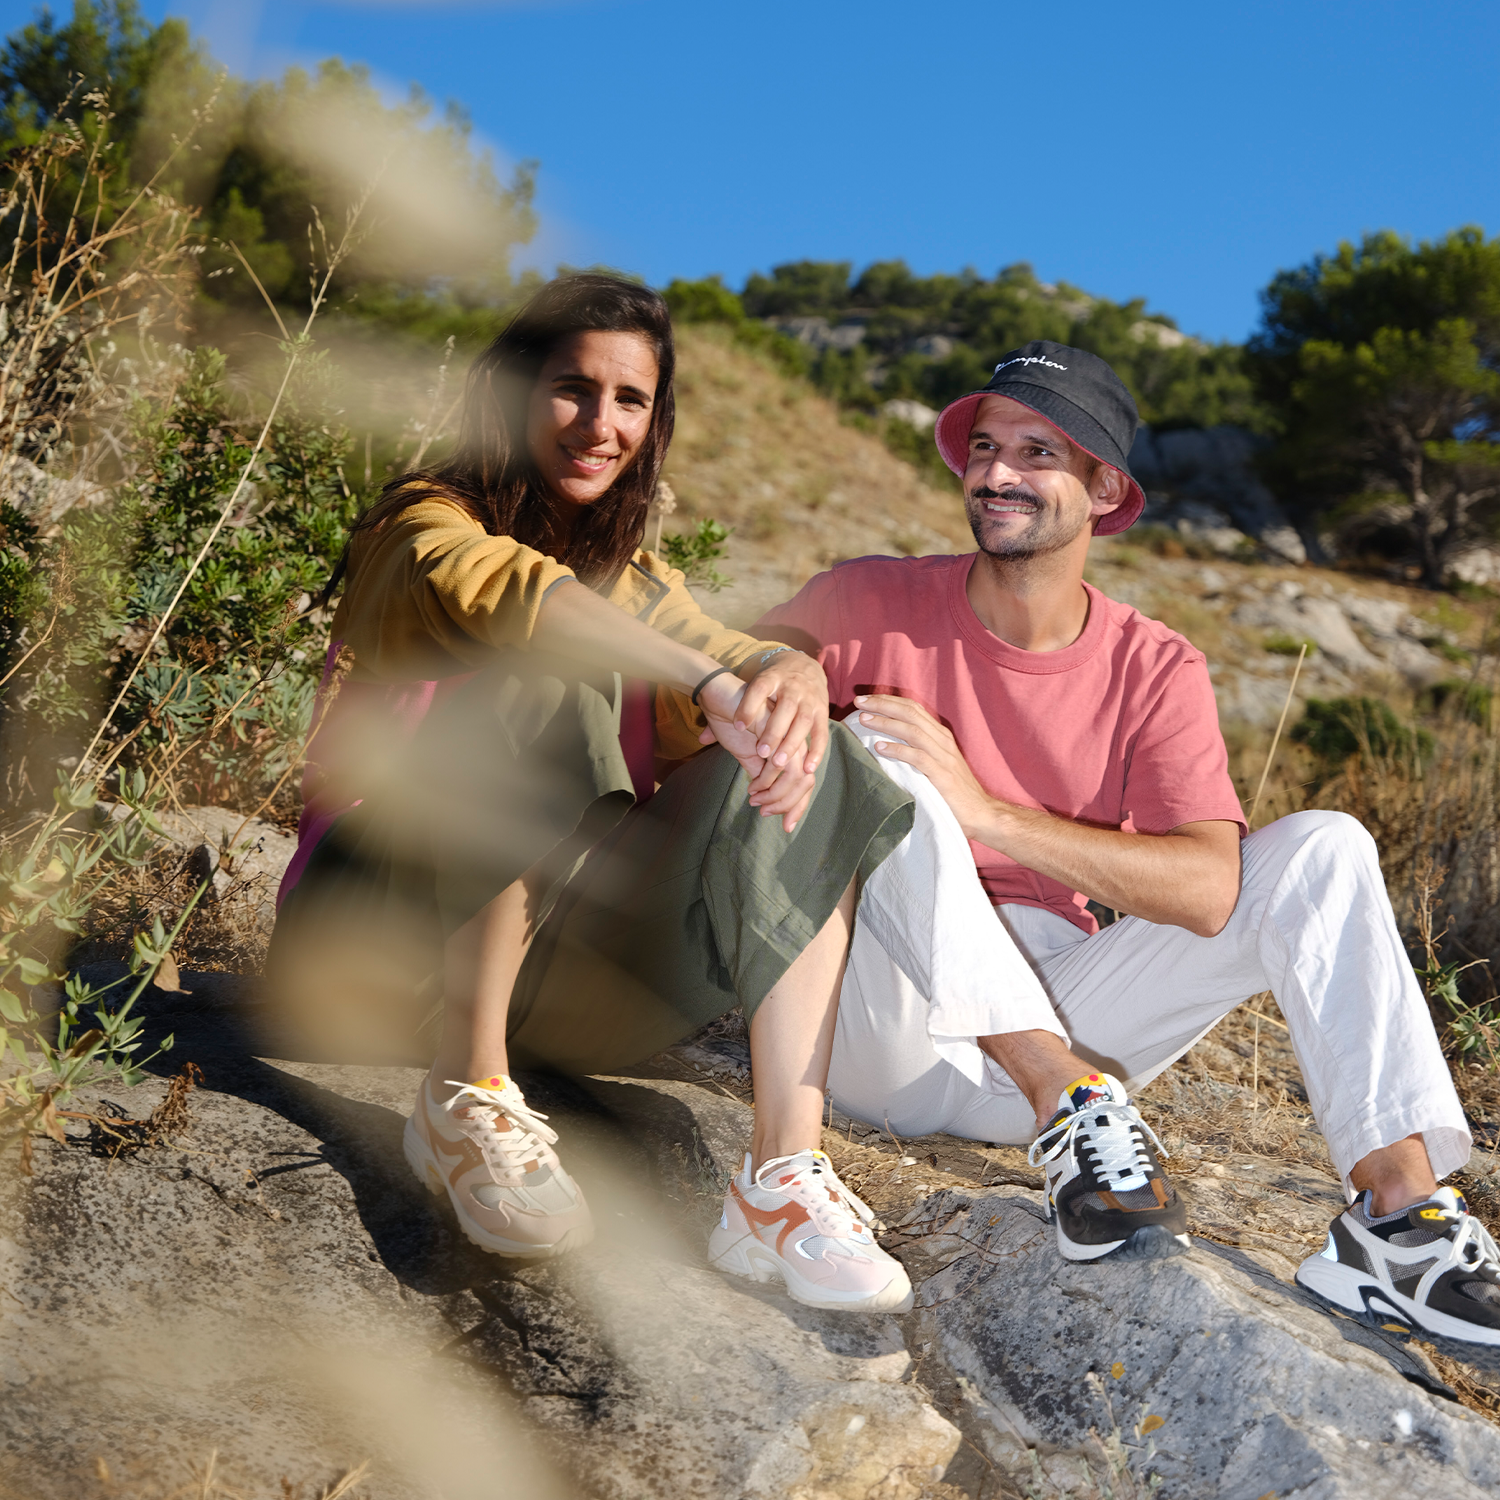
point(227, 932)
point(205, 1481)
point(766, 455)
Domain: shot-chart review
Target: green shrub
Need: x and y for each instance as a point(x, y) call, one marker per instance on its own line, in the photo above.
point(242, 653)
point(48, 882)
point(1341, 728)
point(21, 592)
point(1281, 644)
point(706, 301)
point(696, 553)
point(1463, 699)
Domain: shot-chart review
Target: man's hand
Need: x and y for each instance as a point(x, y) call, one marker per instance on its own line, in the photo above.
point(931, 749)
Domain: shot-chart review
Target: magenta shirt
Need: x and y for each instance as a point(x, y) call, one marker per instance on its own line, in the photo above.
point(1119, 730)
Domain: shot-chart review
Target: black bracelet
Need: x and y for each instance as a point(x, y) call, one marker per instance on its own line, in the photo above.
point(717, 672)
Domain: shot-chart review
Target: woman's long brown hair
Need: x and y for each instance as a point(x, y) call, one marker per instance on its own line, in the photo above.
point(491, 472)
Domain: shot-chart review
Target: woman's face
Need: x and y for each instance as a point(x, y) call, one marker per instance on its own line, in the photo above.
point(590, 411)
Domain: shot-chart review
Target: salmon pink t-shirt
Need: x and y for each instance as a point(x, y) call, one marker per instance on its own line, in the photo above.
point(1118, 730)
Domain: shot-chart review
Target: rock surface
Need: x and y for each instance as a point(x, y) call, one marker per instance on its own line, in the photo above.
point(274, 1286)
point(271, 1284)
point(1258, 1390)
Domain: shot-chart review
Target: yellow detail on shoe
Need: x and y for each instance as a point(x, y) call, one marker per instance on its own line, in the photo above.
point(1094, 1080)
point(495, 1081)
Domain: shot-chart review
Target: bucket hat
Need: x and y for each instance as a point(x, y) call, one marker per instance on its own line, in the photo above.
point(1077, 393)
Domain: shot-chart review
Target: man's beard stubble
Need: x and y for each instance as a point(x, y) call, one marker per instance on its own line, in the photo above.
point(1048, 532)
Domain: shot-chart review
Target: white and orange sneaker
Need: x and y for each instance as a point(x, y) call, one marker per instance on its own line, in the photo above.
point(493, 1156)
point(796, 1220)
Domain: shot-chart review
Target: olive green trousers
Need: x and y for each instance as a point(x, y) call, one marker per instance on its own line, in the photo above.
point(656, 918)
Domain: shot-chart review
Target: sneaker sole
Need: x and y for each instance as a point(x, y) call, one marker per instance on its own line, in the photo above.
point(743, 1255)
point(424, 1167)
point(1352, 1293)
point(1149, 1242)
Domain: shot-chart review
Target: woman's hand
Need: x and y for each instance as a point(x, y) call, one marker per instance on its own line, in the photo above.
point(791, 693)
point(778, 791)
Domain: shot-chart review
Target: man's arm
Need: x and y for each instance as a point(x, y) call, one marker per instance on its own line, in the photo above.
point(1188, 878)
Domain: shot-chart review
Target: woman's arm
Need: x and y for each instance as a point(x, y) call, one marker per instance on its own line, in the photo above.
point(574, 622)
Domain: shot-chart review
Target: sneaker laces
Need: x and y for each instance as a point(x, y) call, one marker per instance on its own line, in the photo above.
point(816, 1186)
point(1473, 1245)
point(1121, 1153)
point(529, 1140)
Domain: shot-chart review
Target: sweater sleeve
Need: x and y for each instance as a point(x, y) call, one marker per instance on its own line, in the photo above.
point(432, 594)
point(665, 604)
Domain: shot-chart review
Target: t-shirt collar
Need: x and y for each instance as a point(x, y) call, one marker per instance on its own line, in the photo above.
point(1041, 663)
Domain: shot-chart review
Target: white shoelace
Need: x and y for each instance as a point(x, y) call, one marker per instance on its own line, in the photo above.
point(816, 1186)
point(529, 1140)
point(1121, 1154)
point(1473, 1236)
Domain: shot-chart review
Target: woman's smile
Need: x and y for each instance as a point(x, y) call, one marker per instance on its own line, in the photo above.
point(587, 459)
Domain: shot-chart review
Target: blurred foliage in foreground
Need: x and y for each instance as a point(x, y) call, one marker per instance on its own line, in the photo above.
point(272, 159)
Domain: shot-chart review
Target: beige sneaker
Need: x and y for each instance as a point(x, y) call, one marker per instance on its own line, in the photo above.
point(493, 1156)
point(796, 1221)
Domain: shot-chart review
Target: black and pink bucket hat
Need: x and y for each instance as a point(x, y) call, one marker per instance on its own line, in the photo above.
point(1077, 393)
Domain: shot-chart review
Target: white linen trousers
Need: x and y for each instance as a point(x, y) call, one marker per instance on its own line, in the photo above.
point(933, 966)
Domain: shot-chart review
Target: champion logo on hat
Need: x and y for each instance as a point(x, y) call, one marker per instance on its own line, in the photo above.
point(1029, 359)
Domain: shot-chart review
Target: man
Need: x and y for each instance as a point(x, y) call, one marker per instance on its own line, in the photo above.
point(1074, 745)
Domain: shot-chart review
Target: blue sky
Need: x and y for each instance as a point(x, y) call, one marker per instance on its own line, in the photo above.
point(1182, 153)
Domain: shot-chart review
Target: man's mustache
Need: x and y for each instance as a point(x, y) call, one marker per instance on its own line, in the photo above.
point(1014, 495)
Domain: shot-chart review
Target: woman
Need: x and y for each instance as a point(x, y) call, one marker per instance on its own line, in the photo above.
point(482, 828)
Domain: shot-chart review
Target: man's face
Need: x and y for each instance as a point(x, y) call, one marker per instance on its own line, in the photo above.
point(1024, 486)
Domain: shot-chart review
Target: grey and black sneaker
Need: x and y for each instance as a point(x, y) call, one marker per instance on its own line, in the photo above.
point(1431, 1270)
point(1106, 1191)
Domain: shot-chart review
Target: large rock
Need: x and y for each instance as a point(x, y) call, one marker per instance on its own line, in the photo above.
point(1328, 622)
point(273, 1285)
point(1213, 466)
point(1257, 1390)
point(241, 858)
point(43, 497)
point(1297, 615)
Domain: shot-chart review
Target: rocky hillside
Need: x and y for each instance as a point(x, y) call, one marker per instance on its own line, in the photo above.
point(1214, 558)
point(802, 488)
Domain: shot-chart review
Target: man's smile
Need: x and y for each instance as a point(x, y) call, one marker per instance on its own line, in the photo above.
point(1007, 502)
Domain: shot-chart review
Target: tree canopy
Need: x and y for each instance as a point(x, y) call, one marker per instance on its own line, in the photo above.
point(933, 337)
point(1380, 364)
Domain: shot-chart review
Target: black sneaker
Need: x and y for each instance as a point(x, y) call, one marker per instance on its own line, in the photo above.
point(1106, 1191)
point(1431, 1270)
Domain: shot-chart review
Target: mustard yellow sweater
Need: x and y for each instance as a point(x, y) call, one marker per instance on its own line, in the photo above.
point(431, 594)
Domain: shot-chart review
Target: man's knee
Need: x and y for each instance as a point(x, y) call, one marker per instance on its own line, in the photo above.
point(1320, 833)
